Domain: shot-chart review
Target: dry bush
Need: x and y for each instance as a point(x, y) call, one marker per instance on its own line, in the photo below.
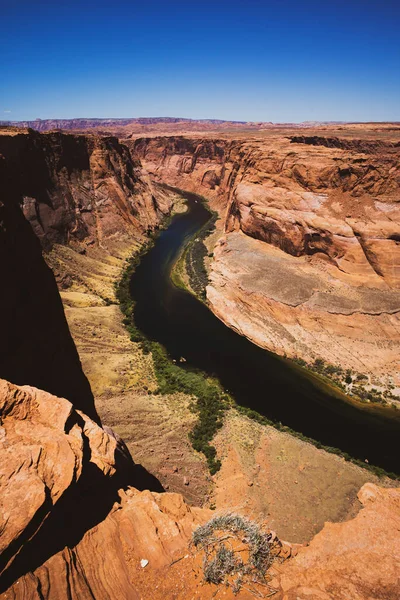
point(237, 553)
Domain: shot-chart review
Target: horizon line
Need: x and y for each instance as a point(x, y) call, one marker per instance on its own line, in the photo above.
point(212, 119)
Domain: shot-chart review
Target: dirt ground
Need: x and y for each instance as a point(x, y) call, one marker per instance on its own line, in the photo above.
point(273, 476)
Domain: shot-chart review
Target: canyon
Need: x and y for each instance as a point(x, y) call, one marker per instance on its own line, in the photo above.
point(146, 125)
point(304, 262)
point(307, 264)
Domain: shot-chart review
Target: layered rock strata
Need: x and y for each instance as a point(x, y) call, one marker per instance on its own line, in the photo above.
point(58, 190)
point(309, 263)
point(37, 347)
point(75, 188)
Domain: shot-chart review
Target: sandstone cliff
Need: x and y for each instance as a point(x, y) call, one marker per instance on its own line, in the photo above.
point(37, 347)
point(84, 192)
point(309, 263)
point(73, 528)
point(74, 187)
point(69, 529)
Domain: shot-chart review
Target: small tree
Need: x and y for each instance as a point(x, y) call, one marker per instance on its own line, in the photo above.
point(319, 365)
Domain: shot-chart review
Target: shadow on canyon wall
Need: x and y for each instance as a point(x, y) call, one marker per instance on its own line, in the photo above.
point(37, 348)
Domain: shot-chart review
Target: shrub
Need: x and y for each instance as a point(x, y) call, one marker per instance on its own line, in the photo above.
point(300, 361)
point(319, 365)
point(236, 551)
point(348, 379)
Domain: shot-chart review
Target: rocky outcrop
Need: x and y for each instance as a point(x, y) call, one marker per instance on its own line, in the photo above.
point(48, 447)
point(68, 528)
point(356, 560)
point(37, 347)
point(60, 189)
point(75, 188)
point(72, 527)
point(322, 278)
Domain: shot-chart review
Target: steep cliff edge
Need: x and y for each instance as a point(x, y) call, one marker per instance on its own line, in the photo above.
point(309, 262)
point(76, 195)
point(72, 529)
point(75, 188)
point(71, 524)
point(37, 347)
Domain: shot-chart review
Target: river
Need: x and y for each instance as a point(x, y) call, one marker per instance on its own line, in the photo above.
point(256, 378)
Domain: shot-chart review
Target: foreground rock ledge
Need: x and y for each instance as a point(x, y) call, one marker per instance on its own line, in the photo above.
point(67, 531)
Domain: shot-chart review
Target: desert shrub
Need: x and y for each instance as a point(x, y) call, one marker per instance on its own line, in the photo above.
point(333, 370)
point(300, 361)
point(319, 365)
point(348, 378)
point(361, 377)
point(236, 551)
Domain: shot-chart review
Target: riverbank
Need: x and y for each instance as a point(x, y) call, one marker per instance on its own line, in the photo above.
point(173, 375)
point(156, 427)
point(211, 401)
point(191, 272)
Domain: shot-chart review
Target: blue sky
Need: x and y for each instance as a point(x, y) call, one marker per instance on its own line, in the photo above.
point(259, 60)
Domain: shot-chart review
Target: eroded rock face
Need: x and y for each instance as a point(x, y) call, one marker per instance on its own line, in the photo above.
point(356, 560)
point(317, 272)
point(71, 530)
point(37, 348)
point(76, 187)
point(47, 447)
point(81, 191)
point(62, 516)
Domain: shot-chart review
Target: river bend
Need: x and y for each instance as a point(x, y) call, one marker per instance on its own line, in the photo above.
point(256, 378)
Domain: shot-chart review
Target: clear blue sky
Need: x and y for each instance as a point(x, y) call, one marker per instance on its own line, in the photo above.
point(259, 60)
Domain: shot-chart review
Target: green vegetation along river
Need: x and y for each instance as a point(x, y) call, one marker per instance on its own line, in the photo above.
point(255, 378)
